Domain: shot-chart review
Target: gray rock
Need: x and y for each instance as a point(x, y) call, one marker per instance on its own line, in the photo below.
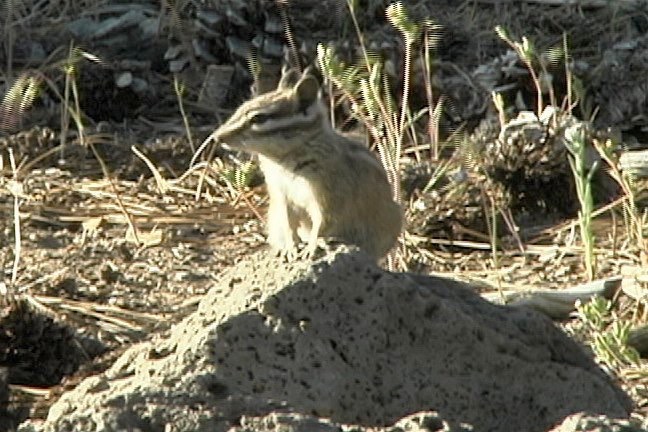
point(291, 422)
point(215, 88)
point(82, 28)
point(236, 18)
point(112, 25)
point(273, 24)
point(238, 47)
point(178, 64)
point(201, 50)
point(206, 31)
point(582, 422)
point(37, 52)
point(173, 52)
point(257, 41)
point(209, 17)
point(272, 47)
point(7, 418)
point(124, 79)
point(285, 422)
point(140, 85)
point(343, 339)
point(149, 27)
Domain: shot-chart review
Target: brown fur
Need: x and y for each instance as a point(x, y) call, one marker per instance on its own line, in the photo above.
point(321, 184)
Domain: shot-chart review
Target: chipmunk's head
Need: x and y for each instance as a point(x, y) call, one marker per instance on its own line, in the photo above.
point(269, 124)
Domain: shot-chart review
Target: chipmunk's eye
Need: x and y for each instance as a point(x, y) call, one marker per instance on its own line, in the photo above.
point(259, 118)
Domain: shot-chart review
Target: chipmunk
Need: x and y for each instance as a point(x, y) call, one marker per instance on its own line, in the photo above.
point(321, 184)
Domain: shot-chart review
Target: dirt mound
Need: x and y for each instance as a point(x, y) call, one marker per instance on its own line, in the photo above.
point(345, 340)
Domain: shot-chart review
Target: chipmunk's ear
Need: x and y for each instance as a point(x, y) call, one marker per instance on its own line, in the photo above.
point(289, 76)
point(307, 91)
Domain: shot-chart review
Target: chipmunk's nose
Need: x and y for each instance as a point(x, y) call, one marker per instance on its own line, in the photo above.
point(220, 138)
point(217, 135)
point(225, 131)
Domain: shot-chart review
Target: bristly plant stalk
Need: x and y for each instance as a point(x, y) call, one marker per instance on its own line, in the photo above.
point(9, 34)
point(370, 98)
point(367, 88)
point(434, 111)
point(568, 74)
point(411, 32)
point(19, 98)
point(351, 4)
point(527, 52)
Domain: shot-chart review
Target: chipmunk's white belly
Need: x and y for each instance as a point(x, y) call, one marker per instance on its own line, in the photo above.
point(296, 189)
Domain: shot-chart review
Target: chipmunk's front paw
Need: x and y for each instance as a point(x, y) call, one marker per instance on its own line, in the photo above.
point(284, 247)
point(307, 252)
point(314, 249)
point(289, 254)
point(303, 251)
point(299, 252)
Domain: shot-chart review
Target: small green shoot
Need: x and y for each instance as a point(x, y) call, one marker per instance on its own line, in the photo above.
point(635, 218)
point(238, 177)
point(609, 335)
point(576, 143)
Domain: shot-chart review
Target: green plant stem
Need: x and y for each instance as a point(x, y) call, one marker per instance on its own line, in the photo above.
point(433, 123)
point(76, 114)
point(178, 87)
point(583, 179)
point(403, 116)
point(65, 112)
point(636, 221)
point(16, 220)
